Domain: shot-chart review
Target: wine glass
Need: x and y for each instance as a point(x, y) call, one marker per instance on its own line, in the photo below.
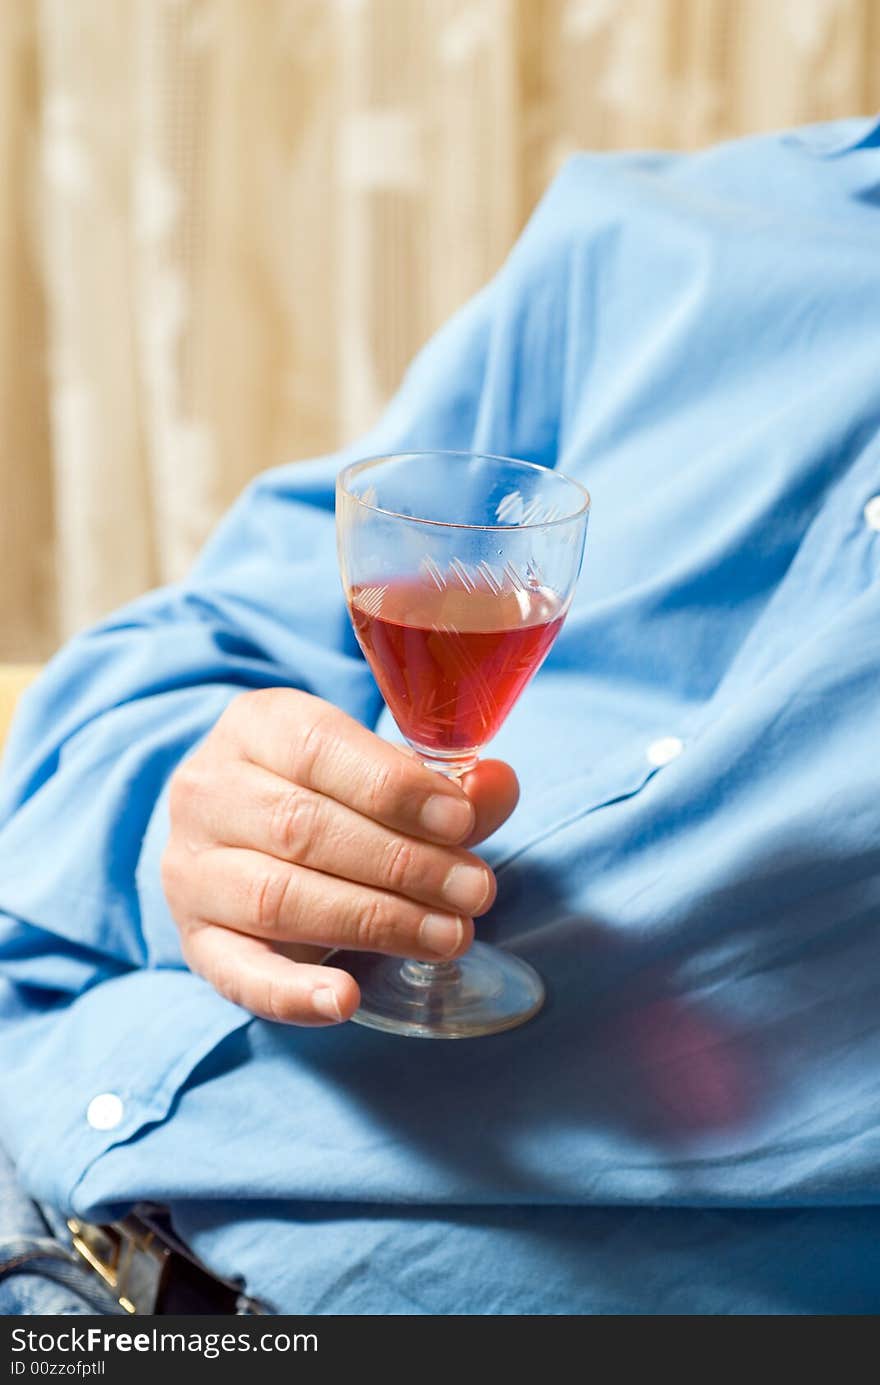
point(458, 570)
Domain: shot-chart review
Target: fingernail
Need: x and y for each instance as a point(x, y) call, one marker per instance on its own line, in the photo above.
point(466, 888)
point(441, 934)
point(445, 816)
point(326, 1003)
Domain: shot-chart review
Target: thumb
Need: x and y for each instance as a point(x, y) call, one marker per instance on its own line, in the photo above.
point(493, 789)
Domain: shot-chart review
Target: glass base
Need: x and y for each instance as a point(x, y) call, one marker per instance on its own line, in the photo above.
point(483, 992)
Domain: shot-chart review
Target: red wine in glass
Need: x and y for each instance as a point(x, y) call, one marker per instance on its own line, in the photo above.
point(458, 569)
point(451, 663)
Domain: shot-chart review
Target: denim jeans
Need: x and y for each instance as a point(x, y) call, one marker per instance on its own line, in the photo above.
point(38, 1272)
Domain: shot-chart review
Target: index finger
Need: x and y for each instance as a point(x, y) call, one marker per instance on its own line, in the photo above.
point(312, 743)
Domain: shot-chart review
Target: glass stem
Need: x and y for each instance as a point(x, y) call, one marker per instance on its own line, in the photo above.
point(429, 973)
point(453, 767)
point(438, 973)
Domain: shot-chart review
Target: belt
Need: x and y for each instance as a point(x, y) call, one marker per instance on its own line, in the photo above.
point(149, 1269)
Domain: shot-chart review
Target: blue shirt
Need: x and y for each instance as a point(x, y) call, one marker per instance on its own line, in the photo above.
point(693, 1122)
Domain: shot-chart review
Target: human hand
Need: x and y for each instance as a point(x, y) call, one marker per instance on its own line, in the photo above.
point(294, 830)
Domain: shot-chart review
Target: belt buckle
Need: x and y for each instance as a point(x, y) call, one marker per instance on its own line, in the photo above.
point(129, 1258)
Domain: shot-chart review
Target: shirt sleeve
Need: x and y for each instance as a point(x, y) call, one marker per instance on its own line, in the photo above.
point(94, 996)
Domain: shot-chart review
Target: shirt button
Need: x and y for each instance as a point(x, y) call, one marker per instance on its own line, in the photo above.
point(104, 1112)
point(661, 752)
point(872, 513)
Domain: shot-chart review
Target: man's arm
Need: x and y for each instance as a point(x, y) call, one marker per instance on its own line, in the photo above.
point(92, 770)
